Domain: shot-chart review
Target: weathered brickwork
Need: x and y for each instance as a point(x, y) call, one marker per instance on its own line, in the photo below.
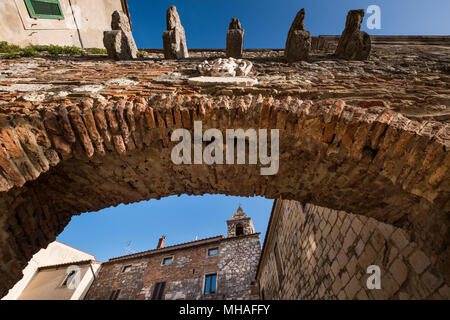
point(235, 266)
point(324, 254)
point(367, 137)
point(369, 161)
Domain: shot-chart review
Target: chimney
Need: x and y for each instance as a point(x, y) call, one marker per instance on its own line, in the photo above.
point(161, 242)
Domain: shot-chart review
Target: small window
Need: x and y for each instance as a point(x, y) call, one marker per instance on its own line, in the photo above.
point(158, 291)
point(167, 261)
point(126, 268)
point(210, 283)
point(213, 252)
point(44, 9)
point(239, 230)
point(114, 295)
point(69, 279)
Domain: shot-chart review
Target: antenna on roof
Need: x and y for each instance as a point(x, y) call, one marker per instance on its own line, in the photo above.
point(128, 249)
point(196, 237)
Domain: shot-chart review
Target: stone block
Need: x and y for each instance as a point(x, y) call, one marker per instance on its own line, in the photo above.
point(354, 44)
point(399, 239)
point(352, 288)
point(432, 279)
point(174, 39)
point(119, 42)
point(235, 40)
point(419, 261)
point(399, 271)
point(367, 257)
point(298, 43)
point(357, 225)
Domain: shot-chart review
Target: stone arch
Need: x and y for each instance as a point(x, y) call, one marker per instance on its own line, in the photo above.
point(60, 160)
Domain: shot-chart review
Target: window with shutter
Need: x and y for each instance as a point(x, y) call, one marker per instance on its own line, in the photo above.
point(44, 9)
point(158, 291)
point(68, 279)
point(210, 283)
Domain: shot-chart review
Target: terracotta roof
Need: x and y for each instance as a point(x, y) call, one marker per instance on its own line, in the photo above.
point(179, 246)
point(169, 248)
point(68, 264)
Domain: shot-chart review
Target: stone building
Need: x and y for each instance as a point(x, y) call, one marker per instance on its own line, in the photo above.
point(60, 22)
point(312, 252)
point(213, 268)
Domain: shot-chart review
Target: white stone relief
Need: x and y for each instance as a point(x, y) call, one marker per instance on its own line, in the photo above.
point(225, 67)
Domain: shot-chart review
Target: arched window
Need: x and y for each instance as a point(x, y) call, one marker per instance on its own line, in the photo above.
point(239, 230)
point(68, 279)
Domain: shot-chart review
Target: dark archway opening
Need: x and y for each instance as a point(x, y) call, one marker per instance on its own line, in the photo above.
point(239, 230)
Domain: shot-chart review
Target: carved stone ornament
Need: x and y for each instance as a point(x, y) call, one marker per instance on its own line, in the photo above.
point(225, 67)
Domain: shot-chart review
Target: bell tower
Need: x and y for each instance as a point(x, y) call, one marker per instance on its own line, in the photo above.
point(240, 224)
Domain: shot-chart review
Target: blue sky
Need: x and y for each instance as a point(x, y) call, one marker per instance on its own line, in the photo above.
point(266, 23)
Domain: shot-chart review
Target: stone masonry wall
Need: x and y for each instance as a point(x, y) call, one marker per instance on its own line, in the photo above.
point(324, 254)
point(239, 257)
point(235, 266)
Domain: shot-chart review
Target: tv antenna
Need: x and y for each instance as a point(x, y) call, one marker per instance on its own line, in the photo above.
point(128, 249)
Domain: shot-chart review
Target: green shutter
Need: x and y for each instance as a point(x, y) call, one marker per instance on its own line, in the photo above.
point(44, 9)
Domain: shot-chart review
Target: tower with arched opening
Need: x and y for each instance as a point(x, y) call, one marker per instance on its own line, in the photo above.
point(240, 224)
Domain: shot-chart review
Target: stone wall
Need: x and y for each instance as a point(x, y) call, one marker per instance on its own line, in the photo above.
point(324, 254)
point(235, 266)
point(239, 257)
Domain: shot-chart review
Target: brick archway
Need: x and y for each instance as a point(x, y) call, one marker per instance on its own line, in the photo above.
point(61, 160)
